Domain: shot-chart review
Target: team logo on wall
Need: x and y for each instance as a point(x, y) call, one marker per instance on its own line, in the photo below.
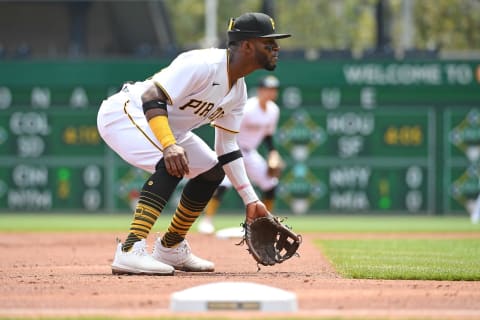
point(300, 188)
point(466, 188)
point(466, 136)
point(130, 185)
point(301, 135)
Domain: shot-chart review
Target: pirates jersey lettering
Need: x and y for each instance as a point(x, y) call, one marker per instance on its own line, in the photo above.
point(217, 114)
point(202, 108)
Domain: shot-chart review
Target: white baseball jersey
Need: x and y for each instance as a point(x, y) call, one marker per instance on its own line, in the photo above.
point(256, 124)
point(196, 85)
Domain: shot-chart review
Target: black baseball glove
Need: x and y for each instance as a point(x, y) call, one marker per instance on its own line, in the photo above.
point(269, 241)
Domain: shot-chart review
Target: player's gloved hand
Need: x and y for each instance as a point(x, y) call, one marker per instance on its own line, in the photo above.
point(269, 241)
point(176, 160)
point(255, 210)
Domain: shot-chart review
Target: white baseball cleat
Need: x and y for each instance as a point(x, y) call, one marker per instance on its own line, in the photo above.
point(138, 261)
point(205, 226)
point(181, 257)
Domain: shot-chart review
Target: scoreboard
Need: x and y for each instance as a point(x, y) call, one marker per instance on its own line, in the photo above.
point(359, 161)
point(358, 137)
point(51, 158)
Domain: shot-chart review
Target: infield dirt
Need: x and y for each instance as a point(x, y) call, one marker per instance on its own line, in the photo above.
point(68, 274)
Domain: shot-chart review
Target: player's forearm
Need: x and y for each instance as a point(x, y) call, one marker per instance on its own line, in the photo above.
point(155, 110)
point(231, 159)
point(235, 171)
point(162, 131)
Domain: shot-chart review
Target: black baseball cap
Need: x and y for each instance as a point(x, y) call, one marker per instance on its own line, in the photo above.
point(269, 81)
point(253, 25)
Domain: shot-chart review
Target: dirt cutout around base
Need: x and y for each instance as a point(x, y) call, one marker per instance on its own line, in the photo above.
point(68, 274)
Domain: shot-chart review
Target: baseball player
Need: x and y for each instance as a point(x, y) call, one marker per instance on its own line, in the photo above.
point(149, 124)
point(259, 123)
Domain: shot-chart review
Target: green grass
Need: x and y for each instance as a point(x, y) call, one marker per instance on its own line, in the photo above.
point(307, 223)
point(381, 223)
point(421, 259)
point(389, 258)
point(405, 257)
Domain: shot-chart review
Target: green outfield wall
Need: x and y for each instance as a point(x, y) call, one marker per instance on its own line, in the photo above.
point(357, 136)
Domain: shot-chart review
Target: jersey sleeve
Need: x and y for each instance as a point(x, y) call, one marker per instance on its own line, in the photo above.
point(183, 76)
point(225, 142)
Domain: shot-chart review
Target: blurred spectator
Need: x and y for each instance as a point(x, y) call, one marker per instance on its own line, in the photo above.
point(23, 51)
point(3, 51)
point(78, 27)
point(144, 50)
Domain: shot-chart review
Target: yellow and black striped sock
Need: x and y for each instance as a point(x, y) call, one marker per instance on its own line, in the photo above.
point(143, 221)
point(153, 198)
point(212, 207)
point(268, 198)
point(187, 212)
point(195, 196)
point(268, 203)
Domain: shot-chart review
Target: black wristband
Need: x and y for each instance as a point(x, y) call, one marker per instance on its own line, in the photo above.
point(154, 104)
point(229, 157)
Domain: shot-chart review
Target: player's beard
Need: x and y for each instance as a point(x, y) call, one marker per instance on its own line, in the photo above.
point(270, 66)
point(263, 60)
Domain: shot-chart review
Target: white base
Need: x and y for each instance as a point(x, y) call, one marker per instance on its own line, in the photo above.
point(233, 296)
point(227, 233)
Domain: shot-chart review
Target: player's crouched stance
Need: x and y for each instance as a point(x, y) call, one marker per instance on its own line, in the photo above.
point(149, 124)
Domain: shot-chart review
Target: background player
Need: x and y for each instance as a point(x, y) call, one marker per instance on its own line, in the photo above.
point(149, 124)
point(258, 125)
